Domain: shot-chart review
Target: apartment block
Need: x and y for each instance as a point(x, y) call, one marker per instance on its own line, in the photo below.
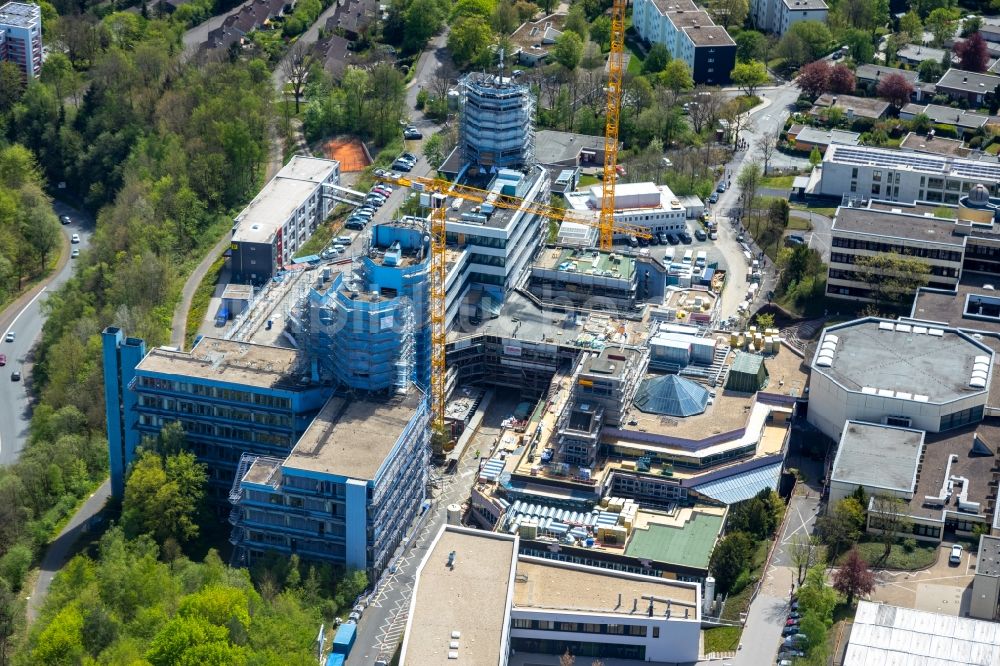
point(689, 35)
point(281, 218)
point(778, 15)
point(21, 37)
point(345, 493)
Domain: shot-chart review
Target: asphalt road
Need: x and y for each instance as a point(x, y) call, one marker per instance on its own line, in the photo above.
point(25, 321)
point(63, 548)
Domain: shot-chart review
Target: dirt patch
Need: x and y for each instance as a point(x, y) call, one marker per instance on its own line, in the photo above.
point(349, 151)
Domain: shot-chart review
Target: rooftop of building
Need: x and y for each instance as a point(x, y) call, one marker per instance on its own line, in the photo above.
point(805, 5)
point(653, 196)
point(689, 544)
point(899, 223)
point(470, 598)
point(551, 585)
point(937, 145)
point(281, 197)
point(353, 438)
point(501, 215)
point(919, 52)
point(958, 79)
point(594, 262)
point(961, 308)
point(884, 634)
point(237, 291)
point(988, 556)
point(948, 115)
point(536, 37)
point(878, 456)
point(228, 362)
point(878, 72)
point(20, 14)
point(976, 463)
point(708, 35)
point(862, 107)
point(668, 6)
point(553, 146)
point(909, 362)
point(610, 361)
point(264, 471)
point(820, 136)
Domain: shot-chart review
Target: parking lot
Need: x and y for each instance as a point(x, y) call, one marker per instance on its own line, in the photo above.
point(942, 588)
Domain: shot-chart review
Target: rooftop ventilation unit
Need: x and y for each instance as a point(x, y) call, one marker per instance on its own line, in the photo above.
point(903, 328)
point(936, 332)
point(885, 326)
point(919, 330)
point(868, 390)
point(824, 361)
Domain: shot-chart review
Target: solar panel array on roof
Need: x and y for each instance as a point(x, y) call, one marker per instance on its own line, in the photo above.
point(890, 159)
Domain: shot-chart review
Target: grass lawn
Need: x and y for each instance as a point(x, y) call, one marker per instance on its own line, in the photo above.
point(722, 639)
point(777, 182)
point(921, 557)
point(799, 223)
point(200, 301)
point(323, 235)
point(634, 63)
point(587, 180)
point(828, 211)
point(993, 149)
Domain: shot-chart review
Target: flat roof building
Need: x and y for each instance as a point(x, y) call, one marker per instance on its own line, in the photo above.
point(879, 458)
point(963, 120)
point(908, 375)
point(690, 35)
point(477, 601)
point(872, 108)
point(934, 145)
point(641, 204)
point(864, 172)
point(986, 584)
point(884, 634)
point(21, 37)
point(778, 15)
point(806, 137)
point(268, 233)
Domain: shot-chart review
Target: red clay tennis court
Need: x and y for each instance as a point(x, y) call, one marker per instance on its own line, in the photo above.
point(349, 152)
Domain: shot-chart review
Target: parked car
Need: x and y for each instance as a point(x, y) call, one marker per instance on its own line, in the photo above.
point(10, 336)
point(686, 238)
point(355, 224)
point(714, 235)
point(402, 166)
point(3, 360)
point(700, 235)
point(673, 239)
point(956, 554)
point(790, 630)
point(721, 188)
point(789, 653)
point(343, 240)
point(412, 133)
point(663, 238)
point(794, 239)
point(64, 219)
point(791, 622)
point(714, 198)
point(409, 157)
point(75, 253)
point(384, 190)
point(795, 639)
point(75, 238)
point(16, 375)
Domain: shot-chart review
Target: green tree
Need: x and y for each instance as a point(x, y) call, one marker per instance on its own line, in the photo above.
point(568, 50)
point(731, 558)
point(842, 527)
point(911, 24)
point(11, 612)
point(892, 277)
point(469, 41)
point(750, 45)
point(860, 44)
point(676, 77)
point(576, 21)
point(804, 42)
point(163, 497)
point(656, 59)
point(815, 157)
point(930, 71)
point(729, 13)
point(600, 31)
point(749, 76)
point(890, 517)
point(941, 24)
point(434, 150)
point(481, 8)
point(423, 19)
point(11, 86)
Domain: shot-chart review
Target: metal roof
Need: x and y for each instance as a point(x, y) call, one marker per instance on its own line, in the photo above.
point(743, 486)
point(672, 396)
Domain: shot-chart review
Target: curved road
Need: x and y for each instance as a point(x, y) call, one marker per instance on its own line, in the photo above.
point(25, 320)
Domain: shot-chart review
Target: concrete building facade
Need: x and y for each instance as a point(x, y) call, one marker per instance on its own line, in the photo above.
point(21, 37)
point(778, 15)
point(268, 233)
point(689, 35)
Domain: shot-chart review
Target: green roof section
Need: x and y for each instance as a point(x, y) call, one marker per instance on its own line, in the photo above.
point(622, 264)
point(689, 546)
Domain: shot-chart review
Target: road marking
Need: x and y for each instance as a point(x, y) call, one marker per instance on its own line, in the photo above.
point(30, 303)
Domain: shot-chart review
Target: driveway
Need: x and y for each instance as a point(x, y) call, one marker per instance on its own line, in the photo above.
point(819, 239)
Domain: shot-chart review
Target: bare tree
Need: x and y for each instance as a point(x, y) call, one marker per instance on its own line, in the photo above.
point(295, 68)
point(567, 659)
point(739, 121)
point(805, 552)
point(704, 107)
point(888, 515)
point(768, 146)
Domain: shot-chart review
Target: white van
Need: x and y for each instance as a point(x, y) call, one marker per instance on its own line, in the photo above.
point(701, 259)
point(668, 256)
point(688, 256)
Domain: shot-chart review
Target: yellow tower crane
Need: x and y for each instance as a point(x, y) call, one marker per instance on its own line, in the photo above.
point(613, 112)
point(438, 191)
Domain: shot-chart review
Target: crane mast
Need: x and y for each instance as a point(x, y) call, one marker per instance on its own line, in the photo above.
point(613, 113)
